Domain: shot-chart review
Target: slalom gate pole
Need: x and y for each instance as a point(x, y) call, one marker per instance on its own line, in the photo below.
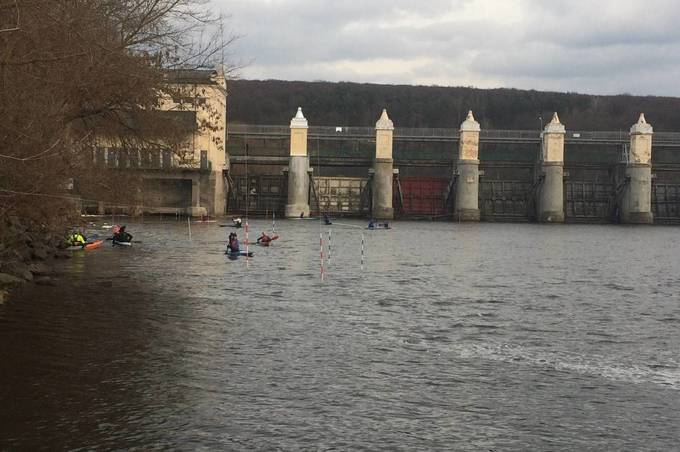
point(329, 247)
point(362, 251)
point(189, 224)
point(247, 244)
point(321, 253)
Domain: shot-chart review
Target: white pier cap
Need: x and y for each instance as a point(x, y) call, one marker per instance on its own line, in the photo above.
point(470, 125)
point(555, 126)
point(384, 123)
point(299, 121)
point(642, 127)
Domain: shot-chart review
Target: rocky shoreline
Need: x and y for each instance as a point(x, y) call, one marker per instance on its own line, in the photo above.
point(26, 254)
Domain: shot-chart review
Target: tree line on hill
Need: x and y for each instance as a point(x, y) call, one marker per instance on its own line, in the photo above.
point(274, 102)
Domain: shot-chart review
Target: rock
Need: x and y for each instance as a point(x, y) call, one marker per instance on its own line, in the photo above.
point(22, 254)
point(20, 270)
point(62, 254)
point(45, 281)
point(9, 280)
point(54, 240)
point(40, 269)
point(15, 223)
point(40, 253)
point(4, 296)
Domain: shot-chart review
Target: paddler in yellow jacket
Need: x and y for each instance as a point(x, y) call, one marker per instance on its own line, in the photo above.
point(77, 239)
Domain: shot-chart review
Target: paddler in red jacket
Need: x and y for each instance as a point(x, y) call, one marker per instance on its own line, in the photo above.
point(264, 239)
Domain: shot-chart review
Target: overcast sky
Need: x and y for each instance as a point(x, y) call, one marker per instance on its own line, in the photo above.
point(589, 46)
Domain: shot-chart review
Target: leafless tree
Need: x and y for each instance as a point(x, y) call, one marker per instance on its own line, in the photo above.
point(72, 71)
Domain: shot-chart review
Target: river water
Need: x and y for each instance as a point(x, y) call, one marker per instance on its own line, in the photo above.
point(452, 337)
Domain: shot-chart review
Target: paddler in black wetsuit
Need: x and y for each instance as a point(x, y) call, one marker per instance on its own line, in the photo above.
point(233, 246)
point(122, 236)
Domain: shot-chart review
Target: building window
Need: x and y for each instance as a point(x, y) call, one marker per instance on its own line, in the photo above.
point(167, 159)
point(204, 161)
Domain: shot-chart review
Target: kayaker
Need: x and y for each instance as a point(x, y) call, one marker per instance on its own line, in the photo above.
point(264, 239)
point(371, 224)
point(237, 222)
point(233, 243)
point(122, 235)
point(77, 239)
point(326, 219)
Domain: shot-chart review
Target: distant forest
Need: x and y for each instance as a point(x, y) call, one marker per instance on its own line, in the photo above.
point(274, 102)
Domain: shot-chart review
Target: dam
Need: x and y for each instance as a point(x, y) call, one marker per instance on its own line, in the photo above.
point(464, 174)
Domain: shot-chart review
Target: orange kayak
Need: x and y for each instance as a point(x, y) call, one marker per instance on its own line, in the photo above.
point(93, 245)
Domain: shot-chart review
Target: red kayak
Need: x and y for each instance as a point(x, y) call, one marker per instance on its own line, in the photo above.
point(93, 245)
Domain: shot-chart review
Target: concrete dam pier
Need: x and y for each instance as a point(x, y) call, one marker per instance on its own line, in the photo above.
point(551, 175)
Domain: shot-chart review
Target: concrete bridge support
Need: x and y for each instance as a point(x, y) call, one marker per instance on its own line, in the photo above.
point(195, 210)
point(636, 206)
point(383, 167)
point(298, 167)
point(467, 184)
point(551, 192)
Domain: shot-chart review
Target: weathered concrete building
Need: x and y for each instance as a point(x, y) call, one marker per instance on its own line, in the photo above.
point(185, 173)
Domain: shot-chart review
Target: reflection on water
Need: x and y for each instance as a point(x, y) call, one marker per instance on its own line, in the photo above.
point(453, 336)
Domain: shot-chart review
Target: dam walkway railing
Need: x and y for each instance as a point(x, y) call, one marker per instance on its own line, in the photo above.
point(671, 139)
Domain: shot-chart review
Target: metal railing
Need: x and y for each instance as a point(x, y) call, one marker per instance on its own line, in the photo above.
point(444, 134)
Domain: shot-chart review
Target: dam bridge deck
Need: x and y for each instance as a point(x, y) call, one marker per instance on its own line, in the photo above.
point(667, 139)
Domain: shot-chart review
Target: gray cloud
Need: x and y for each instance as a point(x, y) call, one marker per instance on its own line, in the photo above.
point(606, 48)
